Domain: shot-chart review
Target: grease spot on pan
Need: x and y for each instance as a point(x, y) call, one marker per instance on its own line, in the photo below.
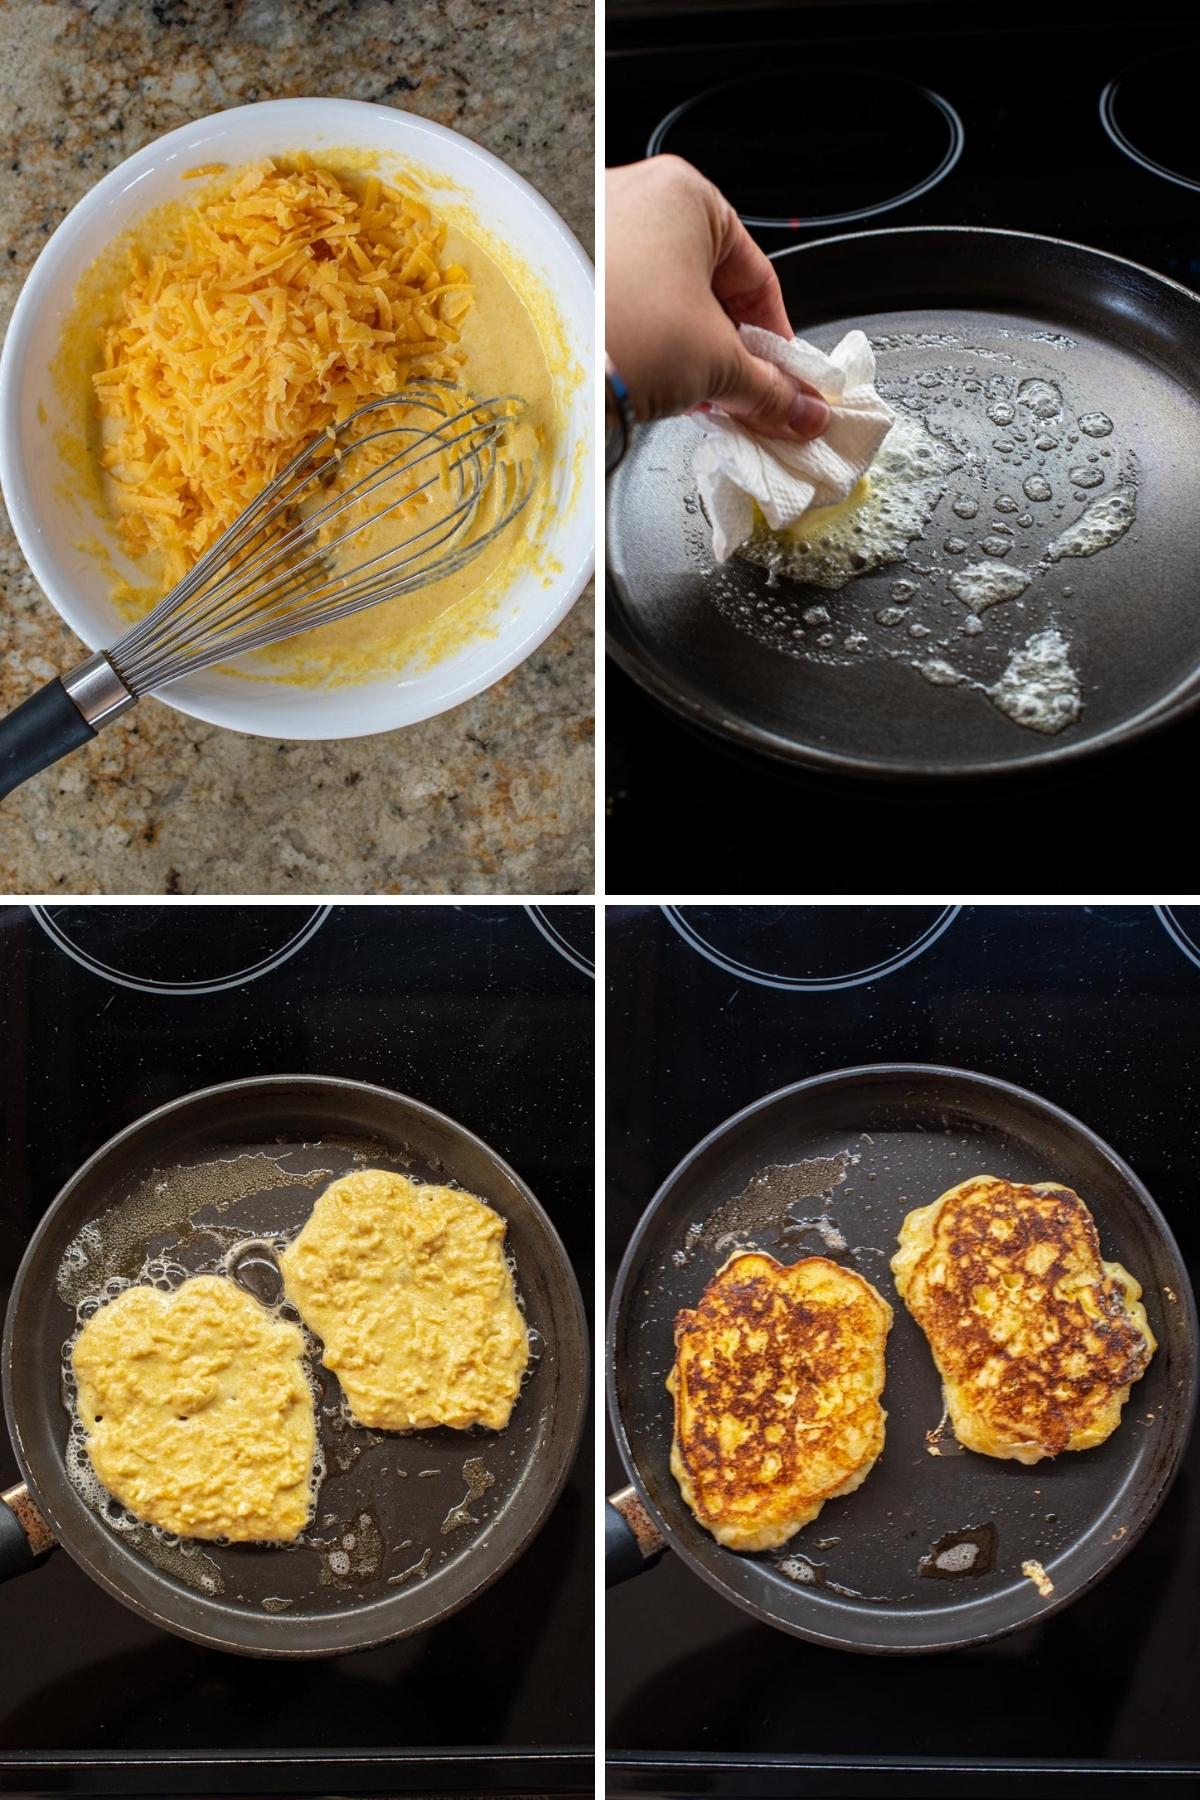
point(478, 1479)
point(801, 1569)
point(971, 1551)
point(941, 1441)
point(353, 1551)
point(417, 1569)
point(764, 1204)
point(114, 1245)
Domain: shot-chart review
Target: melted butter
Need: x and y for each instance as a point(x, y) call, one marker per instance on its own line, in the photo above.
point(818, 519)
point(876, 522)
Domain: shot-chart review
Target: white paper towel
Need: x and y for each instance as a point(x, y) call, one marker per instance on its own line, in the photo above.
point(736, 467)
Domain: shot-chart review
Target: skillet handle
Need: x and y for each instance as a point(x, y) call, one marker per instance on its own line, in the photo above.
point(632, 1541)
point(25, 1536)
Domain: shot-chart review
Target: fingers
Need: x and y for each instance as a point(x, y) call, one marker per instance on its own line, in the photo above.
point(744, 280)
point(770, 402)
point(761, 396)
point(682, 274)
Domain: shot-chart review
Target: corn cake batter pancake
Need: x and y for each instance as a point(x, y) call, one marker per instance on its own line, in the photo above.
point(198, 1414)
point(407, 1286)
point(777, 1377)
point(1036, 1338)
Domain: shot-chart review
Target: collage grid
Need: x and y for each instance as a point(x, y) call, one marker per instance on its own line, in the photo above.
point(573, 1218)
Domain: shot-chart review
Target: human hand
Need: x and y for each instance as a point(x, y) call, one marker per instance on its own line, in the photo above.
point(681, 274)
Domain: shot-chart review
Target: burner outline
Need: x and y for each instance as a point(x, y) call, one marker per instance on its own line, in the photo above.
point(954, 150)
point(809, 984)
point(1177, 934)
point(178, 989)
point(1108, 119)
point(542, 917)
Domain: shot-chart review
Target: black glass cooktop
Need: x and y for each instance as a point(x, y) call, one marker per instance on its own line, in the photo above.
point(477, 1011)
point(1093, 1008)
point(1065, 120)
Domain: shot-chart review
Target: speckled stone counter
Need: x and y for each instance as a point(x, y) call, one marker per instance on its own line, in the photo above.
point(494, 797)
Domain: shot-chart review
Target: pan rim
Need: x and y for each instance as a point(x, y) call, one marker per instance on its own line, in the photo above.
point(634, 660)
point(842, 1077)
point(573, 1424)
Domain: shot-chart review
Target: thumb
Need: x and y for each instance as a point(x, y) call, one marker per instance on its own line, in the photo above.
point(762, 397)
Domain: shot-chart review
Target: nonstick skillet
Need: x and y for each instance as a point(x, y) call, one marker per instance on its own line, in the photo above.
point(841, 1158)
point(388, 1553)
point(962, 320)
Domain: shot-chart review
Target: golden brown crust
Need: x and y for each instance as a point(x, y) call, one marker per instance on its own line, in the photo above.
point(777, 1377)
point(1036, 1337)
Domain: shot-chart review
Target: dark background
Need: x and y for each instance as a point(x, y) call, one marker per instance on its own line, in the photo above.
point(687, 814)
point(469, 1009)
point(1096, 1009)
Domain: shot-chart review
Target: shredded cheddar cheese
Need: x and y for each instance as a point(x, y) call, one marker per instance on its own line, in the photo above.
point(278, 306)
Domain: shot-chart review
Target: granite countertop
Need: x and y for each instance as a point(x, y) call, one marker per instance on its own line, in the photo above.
point(494, 797)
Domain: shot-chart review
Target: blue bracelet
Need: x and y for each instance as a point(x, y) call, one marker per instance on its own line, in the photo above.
point(617, 441)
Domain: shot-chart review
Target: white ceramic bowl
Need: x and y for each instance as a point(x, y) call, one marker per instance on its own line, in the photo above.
point(48, 526)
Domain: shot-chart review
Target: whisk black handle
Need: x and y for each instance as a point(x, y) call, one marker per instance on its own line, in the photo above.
point(43, 728)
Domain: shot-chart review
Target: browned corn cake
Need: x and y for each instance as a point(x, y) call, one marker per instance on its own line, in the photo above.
point(1036, 1338)
point(777, 1377)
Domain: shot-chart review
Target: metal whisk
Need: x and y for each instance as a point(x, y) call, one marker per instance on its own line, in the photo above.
point(285, 565)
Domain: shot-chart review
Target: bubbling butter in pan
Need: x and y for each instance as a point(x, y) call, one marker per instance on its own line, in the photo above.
point(889, 507)
point(993, 479)
point(984, 584)
point(1100, 525)
point(1039, 689)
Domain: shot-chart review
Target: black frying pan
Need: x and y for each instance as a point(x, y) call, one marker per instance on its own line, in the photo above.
point(243, 1162)
point(939, 302)
point(857, 1579)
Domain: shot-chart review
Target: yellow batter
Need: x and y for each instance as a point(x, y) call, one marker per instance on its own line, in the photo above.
point(197, 1411)
point(407, 1286)
point(509, 340)
point(502, 354)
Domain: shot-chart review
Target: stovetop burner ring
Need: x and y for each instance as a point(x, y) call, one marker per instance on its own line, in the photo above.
point(96, 964)
point(543, 917)
point(1120, 136)
point(888, 964)
point(942, 117)
point(1178, 933)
